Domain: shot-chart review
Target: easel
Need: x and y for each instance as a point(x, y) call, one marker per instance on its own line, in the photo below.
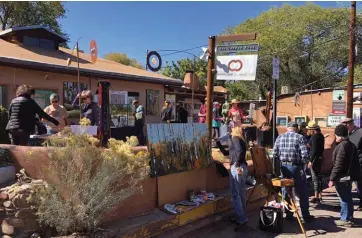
point(263, 173)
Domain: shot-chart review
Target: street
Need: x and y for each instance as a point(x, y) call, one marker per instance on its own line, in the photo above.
point(323, 225)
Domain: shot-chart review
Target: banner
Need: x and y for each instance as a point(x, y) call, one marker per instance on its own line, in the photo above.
point(236, 67)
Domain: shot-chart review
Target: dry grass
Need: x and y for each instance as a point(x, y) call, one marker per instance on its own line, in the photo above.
point(92, 181)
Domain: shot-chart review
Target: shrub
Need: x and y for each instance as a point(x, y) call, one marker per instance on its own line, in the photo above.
point(4, 118)
point(92, 181)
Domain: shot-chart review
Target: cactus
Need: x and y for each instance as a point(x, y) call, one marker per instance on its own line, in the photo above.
point(4, 137)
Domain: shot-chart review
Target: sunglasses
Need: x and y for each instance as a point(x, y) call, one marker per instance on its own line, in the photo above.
point(55, 101)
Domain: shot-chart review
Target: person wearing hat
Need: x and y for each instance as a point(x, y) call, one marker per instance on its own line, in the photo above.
point(304, 131)
point(290, 149)
point(235, 114)
point(316, 149)
point(355, 136)
point(166, 112)
point(202, 112)
point(58, 112)
point(139, 114)
point(345, 170)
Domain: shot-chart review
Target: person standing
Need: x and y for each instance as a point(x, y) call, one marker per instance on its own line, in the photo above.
point(58, 112)
point(89, 109)
point(290, 149)
point(304, 131)
point(216, 120)
point(182, 115)
point(166, 112)
point(235, 114)
point(139, 114)
point(22, 116)
point(345, 170)
point(355, 136)
point(202, 112)
point(316, 150)
point(238, 173)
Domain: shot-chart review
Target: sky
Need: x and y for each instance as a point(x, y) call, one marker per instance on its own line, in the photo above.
point(134, 27)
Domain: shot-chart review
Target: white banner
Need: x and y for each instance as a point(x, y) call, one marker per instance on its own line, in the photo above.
point(236, 67)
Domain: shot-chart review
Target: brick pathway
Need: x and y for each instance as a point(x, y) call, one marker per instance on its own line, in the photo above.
point(323, 226)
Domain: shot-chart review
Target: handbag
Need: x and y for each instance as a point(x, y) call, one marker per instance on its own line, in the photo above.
point(271, 219)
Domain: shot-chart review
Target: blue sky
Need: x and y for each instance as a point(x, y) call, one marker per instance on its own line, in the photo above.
point(133, 27)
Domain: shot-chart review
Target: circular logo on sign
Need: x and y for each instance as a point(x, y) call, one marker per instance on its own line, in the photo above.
point(235, 65)
point(154, 61)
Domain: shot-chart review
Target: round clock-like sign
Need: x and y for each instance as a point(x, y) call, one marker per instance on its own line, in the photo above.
point(154, 61)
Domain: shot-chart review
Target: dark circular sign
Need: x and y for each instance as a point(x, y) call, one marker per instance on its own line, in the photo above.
point(154, 61)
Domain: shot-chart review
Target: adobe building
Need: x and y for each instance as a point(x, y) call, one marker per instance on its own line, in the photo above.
point(326, 106)
point(32, 55)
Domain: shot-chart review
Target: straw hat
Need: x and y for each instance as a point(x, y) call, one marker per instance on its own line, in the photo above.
point(234, 101)
point(312, 125)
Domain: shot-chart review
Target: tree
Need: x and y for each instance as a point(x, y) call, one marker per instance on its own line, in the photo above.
point(311, 42)
point(178, 69)
point(122, 58)
point(14, 14)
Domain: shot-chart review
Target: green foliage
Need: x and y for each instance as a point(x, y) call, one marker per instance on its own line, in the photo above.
point(32, 13)
point(311, 42)
point(90, 181)
point(4, 137)
point(178, 69)
point(122, 58)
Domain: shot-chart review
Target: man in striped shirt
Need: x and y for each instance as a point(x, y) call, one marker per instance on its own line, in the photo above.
point(291, 150)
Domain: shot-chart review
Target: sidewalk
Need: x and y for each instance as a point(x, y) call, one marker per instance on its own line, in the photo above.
point(323, 226)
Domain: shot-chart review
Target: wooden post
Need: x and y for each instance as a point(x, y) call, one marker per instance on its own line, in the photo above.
point(210, 84)
point(351, 60)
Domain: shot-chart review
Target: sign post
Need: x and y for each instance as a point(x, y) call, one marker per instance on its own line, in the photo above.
point(275, 78)
point(211, 68)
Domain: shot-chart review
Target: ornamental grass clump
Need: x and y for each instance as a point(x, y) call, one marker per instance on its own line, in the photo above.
point(89, 181)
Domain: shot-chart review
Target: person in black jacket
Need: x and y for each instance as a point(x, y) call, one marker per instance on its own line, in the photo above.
point(182, 114)
point(89, 108)
point(355, 136)
point(316, 149)
point(345, 170)
point(22, 112)
point(166, 113)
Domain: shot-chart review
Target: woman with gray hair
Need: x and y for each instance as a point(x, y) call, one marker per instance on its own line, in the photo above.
point(58, 112)
point(89, 108)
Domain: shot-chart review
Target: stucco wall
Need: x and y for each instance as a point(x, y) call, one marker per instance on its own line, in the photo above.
point(10, 77)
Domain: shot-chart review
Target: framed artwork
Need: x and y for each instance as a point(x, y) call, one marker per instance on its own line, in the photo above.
point(321, 121)
point(282, 121)
point(70, 91)
point(300, 119)
point(172, 99)
point(152, 102)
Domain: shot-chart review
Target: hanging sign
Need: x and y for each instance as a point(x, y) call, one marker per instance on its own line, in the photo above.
point(154, 61)
point(93, 51)
point(339, 107)
point(236, 67)
point(335, 120)
point(338, 95)
point(276, 68)
point(237, 48)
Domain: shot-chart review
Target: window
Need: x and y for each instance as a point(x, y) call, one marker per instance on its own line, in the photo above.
point(121, 107)
point(41, 43)
point(42, 97)
point(2, 96)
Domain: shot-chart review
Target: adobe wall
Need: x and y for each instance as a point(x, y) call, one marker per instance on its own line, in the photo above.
point(11, 77)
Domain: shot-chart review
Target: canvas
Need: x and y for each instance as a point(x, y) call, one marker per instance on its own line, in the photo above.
point(178, 147)
point(152, 102)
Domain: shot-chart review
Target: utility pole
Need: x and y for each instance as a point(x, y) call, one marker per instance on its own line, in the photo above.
point(146, 59)
point(351, 60)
